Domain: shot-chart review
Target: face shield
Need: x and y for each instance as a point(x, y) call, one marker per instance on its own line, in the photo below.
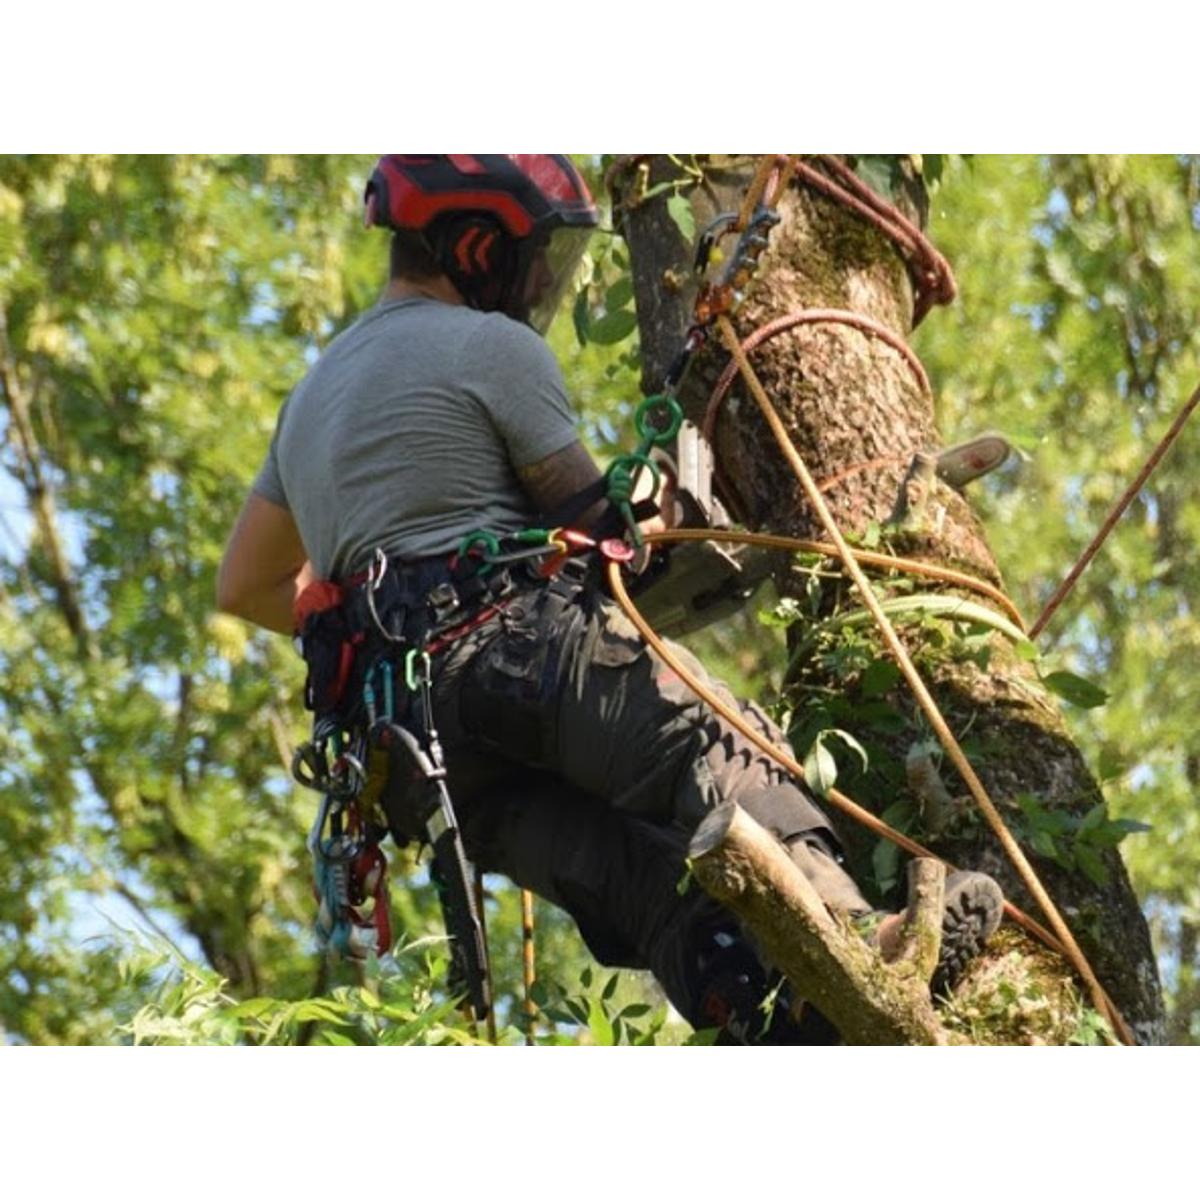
point(547, 269)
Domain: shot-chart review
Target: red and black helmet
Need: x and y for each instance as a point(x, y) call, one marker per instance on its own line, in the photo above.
point(507, 229)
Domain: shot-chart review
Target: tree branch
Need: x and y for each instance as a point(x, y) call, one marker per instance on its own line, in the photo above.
point(872, 1003)
point(40, 497)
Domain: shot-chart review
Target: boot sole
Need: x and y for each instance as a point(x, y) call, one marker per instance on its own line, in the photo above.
point(973, 911)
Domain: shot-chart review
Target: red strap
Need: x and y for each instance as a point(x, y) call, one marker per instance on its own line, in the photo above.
point(320, 596)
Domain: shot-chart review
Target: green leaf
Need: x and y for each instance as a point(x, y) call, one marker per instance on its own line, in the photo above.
point(680, 212)
point(610, 987)
point(820, 770)
point(581, 316)
point(620, 294)
point(631, 1012)
point(848, 740)
point(1044, 844)
point(1027, 651)
point(1113, 833)
point(880, 677)
point(1091, 864)
point(613, 327)
point(600, 1025)
point(1074, 689)
point(585, 977)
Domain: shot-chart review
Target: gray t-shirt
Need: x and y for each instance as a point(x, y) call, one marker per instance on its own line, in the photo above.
point(407, 432)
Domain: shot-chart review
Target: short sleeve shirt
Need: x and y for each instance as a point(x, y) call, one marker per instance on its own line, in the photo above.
point(407, 433)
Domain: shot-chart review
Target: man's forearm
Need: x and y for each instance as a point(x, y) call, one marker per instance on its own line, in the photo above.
point(272, 607)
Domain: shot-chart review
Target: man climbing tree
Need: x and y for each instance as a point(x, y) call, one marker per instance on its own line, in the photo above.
point(428, 520)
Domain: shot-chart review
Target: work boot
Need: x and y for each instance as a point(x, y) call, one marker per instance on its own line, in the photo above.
point(971, 913)
point(973, 907)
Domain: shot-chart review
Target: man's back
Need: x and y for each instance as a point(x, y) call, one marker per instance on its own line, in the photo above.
point(407, 432)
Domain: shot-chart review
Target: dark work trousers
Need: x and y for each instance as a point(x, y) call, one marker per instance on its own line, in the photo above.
point(581, 765)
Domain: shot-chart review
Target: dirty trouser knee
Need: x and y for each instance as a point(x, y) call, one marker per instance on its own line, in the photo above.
point(618, 878)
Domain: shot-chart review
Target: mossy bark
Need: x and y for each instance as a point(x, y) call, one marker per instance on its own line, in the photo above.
point(848, 399)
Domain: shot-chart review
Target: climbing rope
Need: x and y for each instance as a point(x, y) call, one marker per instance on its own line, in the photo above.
point(527, 962)
point(839, 799)
point(933, 283)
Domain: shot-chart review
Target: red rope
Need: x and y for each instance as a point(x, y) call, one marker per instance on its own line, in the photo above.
point(933, 280)
point(810, 316)
point(1113, 517)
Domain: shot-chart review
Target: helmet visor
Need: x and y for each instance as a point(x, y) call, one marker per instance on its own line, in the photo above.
point(549, 269)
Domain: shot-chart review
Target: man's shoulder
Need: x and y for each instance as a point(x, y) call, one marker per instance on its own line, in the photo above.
point(492, 333)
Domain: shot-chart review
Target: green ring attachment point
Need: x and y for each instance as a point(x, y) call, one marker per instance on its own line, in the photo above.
point(658, 406)
point(620, 475)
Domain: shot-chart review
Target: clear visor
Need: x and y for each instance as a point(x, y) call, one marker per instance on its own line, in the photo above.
point(548, 274)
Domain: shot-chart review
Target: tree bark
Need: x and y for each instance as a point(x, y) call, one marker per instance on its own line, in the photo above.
point(858, 414)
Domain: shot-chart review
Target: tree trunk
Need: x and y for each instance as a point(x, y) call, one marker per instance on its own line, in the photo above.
point(858, 413)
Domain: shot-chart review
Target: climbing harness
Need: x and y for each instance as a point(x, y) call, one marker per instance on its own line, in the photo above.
point(369, 645)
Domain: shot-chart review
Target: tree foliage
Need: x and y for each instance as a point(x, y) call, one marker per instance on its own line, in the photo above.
point(154, 313)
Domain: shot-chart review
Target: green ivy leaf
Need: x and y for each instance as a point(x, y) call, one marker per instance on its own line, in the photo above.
point(613, 327)
point(1044, 844)
point(1091, 864)
point(850, 741)
point(680, 211)
point(1074, 689)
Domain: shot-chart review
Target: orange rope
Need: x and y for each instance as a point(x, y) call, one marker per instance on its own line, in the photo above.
point(910, 566)
point(837, 798)
point(527, 960)
point(920, 691)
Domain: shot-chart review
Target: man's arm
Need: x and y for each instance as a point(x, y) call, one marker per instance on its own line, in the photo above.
point(556, 479)
point(265, 566)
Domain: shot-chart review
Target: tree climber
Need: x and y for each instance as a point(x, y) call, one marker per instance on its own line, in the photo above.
point(578, 764)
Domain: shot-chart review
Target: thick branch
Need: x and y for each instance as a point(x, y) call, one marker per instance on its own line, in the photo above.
point(828, 963)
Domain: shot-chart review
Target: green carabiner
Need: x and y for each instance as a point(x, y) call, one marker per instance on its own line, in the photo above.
point(651, 434)
point(480, 537)
point(410, 674)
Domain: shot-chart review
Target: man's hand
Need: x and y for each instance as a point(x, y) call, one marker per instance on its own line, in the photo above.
point(265, 566)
